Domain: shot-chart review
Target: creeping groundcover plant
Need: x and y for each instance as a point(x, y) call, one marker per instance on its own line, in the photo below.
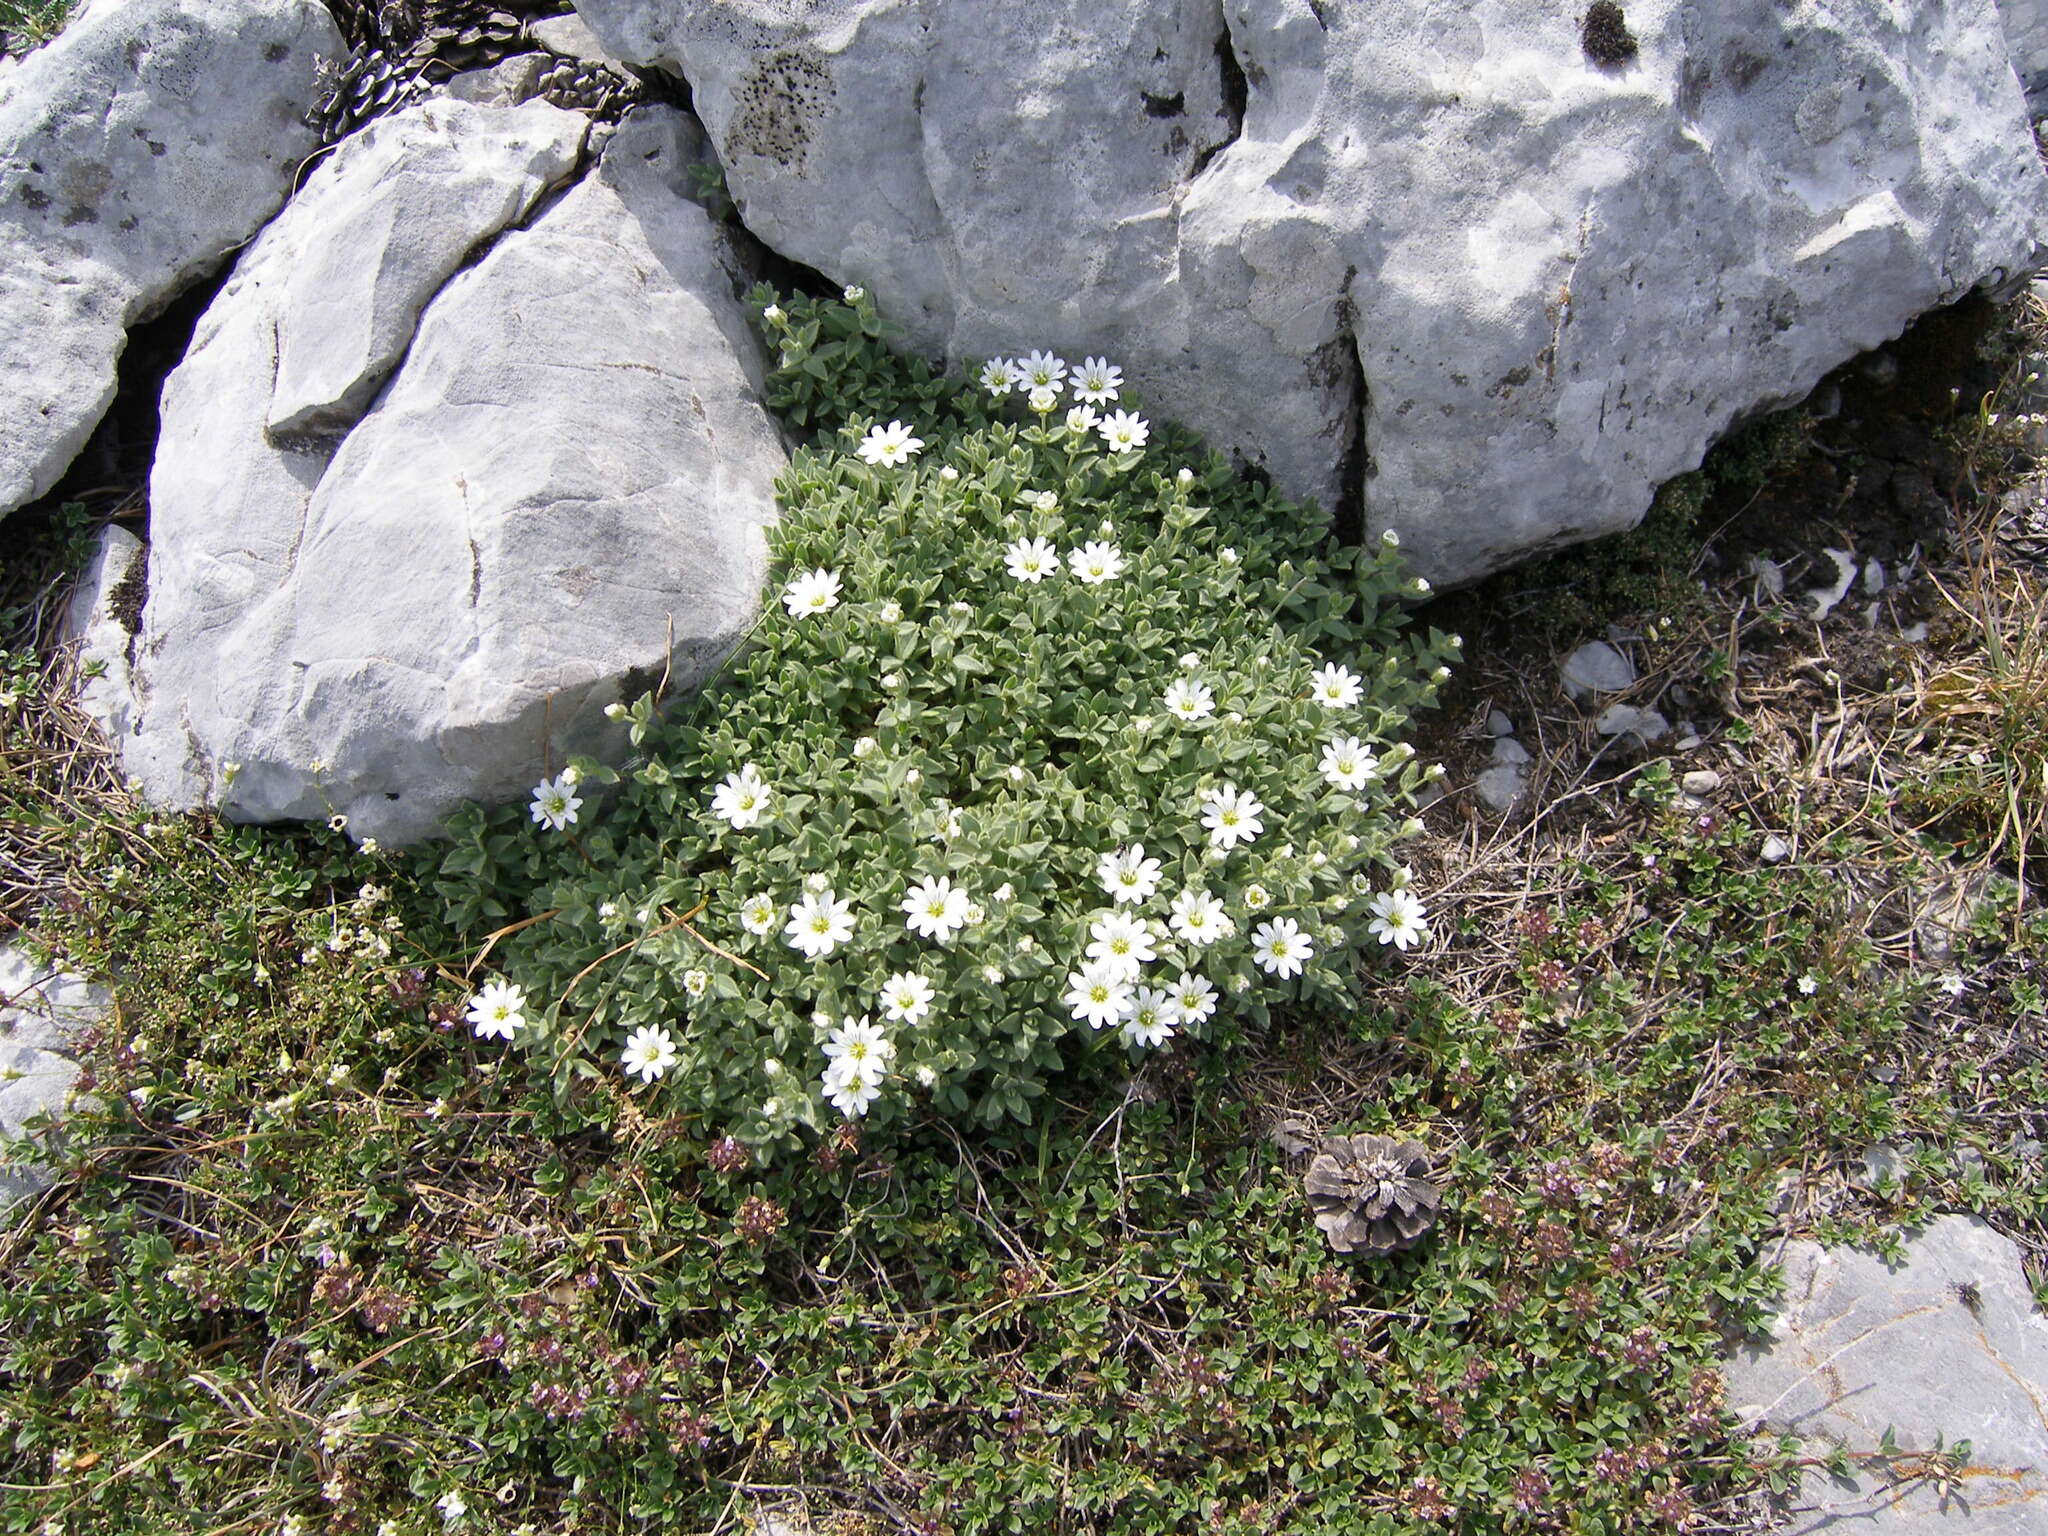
point(1055, 736)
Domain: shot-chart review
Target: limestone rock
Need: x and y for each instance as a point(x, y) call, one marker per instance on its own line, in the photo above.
point(1642, 726)
point(1596, 667)
point(137, 149)
point(561, 492)
point(1946, 1344)
point(100, 625)
point(1422, 251)
point(43, 1010)
point(2026, 35)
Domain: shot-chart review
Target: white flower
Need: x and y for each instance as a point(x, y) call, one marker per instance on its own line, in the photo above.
point(818, 924)
point(853, 293)
point(812, 592)
point(976, 914)
point(771, 1109)
point(1016, 772)
point(1397, 919)
point(743, 798)
point(1123, 432)
point(452, 1507)
point(1096, 562)
point(1256, 898)
point(1953, 984)
point(615, 711)
point(850, 1087)
point(1042, 370)
point(1808, 986)
point(696, 982)
point(906, 997)
point(1120, 944)
point(935, 909)
point(758, 913)
point(498, 1010)
point(1097, 381)
point(992, 974)
point(554, 802)
point(927, 1075)
point(890, 446)
point(649, 1052)
point(1185, 475)
point(892, 679)
point(1420, 586)
point(1189, 698)
point(773, 314)
point(1198, 918)
point(1045, 501)
point(1127, 874)
point(999, 376)
point(1347, 764)
point(1031, 559)
point(1150, 1018)
point(1082, 419)
point(1335, 687)
point(891, 612)
point(865, 1044)
point(867, 746)
point(817, 880)
point(948, 473)
point(1280, 946)
point(1042, 399)
point(1232, 816)
point(1097, 994)
point(1194, 998)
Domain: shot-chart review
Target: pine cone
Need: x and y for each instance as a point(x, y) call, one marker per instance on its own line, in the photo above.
point(1371, 1194)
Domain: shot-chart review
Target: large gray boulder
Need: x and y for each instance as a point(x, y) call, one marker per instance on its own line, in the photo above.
point(44, 1010)
point(1946, 1346)
point(561, 492)
point(2026, 36)
point(1424, 250)
point(137, 150)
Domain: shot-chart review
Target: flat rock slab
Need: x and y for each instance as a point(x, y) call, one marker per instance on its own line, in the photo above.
point(141, 146)
point(1945, 1347)
point(43, 1011)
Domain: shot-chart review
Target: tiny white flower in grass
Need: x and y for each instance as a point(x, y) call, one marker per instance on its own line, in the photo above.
point(1042, 399)
point(851, 1089)
point(696, 982)
point(1198, 918)
point(887, 447)
point(1127, 874)
point(1121, 943)
point(810, 593)
point(817, 880)
point(1082, 420)
point(864, 1043)
point(773, 314)
point(1232, 816)
point(1097, 381)
point(1257, 898)
point(1347, 764)
point(1042, 370)
point(555, 803)
point(1808, 986)
point(977, 914)
point(452, 1506)
point(1335, 687)
point(890, 613)
point(1280, 947)
point(1151, 1018)
point(742, 799)
point(1031, 559)
point(1953, 984)
point(999, 376)
point(853, 293)
point(498, 1010)
point(935, 909)
point(758, 913)
point(1123, 432)
point(1097, 994)
point(1096, 562)
point(1189, 698)
point(1195, 998)
point(649, 1053)
point(907, 997)
point(1398, 919)
point(927, 1075)
point(818, 924)
point(866, 746)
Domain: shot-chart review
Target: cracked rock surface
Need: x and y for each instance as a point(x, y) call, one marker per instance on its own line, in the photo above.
point(43, 1010)
point(1947, 1344)
point(1426, 254)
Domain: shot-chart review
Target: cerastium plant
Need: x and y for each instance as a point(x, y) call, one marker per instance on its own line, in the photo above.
point(1055, 736)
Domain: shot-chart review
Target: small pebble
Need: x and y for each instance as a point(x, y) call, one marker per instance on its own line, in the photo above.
point(1701, 781)
point(1498, 724)
point(1776, 850)
point(1596, 667)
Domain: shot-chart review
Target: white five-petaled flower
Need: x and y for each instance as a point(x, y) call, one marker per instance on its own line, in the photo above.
point(811, 592)
point(1096, 562)
point(743, 798)
point(1042, 399)
point(554, 801)
point(1195, 998)
point(1808, 985)
point(1121, 943)
point(1150, 1018)
point(861, 1042)
point(1189, 698)
point(1397, 919)
point(758, 913)
point(497, 1010)
point(1198, 918)
point(906, 997)
point(1953, 984)
point(1097, 381)
point(1127, 874)
point(1335, 687)
point(851, 1086)
point(1098, 994)
point(1123, 432)
point(696, 982)
point(1280, 946)
point(1232, 816)
point(1347, 764)
point(1031, 559)
point(1082, 419)
point(819, 924)
point(452, 1506)
point(999, 376)
point(649, 1052)
point(1256, 897)
point(936, 909)
point(890, 446)
point(1042, 370)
